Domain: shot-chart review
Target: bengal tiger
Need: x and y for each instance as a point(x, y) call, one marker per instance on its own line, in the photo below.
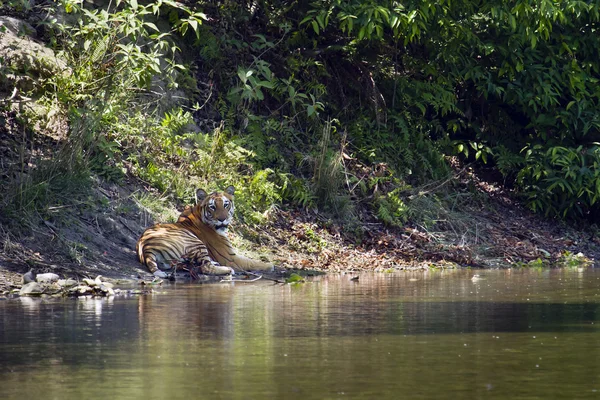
point(200, 236)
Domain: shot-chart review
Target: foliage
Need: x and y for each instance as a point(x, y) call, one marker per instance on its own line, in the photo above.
point(566, 259)
point(210, 161)
point(561, 181)
point(298, 89)
point(570, 260)
point(491, 74)
point(111, 56)
point(391, 209)
point(294, 278)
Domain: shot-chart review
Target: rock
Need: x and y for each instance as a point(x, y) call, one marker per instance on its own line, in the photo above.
point(108, 285)
point(25, 60)
point(67, 282)
point(47, 278)
point(29, 276)
point(90, 282)
point(95, 282)
point(106, 290)
point(53, 288)
point(80, 290)
point(31, 289)
point(16, 26)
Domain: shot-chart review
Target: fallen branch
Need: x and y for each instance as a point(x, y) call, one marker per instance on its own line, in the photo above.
point(262, 276)
point(241, 280)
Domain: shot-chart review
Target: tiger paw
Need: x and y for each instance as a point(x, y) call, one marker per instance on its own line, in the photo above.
point(223, 270)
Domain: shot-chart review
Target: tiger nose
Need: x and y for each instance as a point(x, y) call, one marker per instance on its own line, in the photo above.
point(222, 219)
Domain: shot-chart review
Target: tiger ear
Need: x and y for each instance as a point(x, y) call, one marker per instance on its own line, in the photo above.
point(200, 195)
point(230, 190)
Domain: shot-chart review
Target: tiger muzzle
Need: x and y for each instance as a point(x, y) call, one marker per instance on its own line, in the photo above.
point(221, 226)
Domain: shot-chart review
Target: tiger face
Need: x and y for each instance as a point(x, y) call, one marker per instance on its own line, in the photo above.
point(216, 209)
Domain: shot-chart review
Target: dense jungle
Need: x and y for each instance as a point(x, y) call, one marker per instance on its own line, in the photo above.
point(359, 135)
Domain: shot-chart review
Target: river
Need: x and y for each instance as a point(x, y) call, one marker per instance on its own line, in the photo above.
point(518, 334)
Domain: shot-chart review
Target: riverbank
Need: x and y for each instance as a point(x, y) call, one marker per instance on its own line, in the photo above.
point(98, 236)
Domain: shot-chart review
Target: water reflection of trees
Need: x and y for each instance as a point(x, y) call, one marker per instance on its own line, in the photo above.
point(278, 339)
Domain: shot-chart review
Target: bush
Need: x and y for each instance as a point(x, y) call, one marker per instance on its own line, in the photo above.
point(561, 181)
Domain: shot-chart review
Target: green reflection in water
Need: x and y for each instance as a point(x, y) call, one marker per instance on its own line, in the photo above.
point(511, 334)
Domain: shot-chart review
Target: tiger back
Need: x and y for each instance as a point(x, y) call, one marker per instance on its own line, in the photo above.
point(200, 235)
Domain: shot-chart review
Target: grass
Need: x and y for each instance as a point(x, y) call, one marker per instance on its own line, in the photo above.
point(159, 209)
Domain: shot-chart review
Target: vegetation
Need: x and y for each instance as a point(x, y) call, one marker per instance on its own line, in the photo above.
point(357, 108)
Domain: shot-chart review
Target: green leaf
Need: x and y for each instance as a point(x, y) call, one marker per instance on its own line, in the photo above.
point(267, 84)
point(199, 16)
point(306, 19)
point(315, 26)
point(512, 22)
point(194, 24)
point(242, 75)
point(361, 33)
point(151, 26)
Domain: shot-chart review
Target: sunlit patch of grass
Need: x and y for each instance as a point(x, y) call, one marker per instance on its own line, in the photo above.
point(158, 209)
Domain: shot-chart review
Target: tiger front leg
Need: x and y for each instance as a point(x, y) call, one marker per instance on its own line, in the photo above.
point(214, 268)
point(248, 264)
point(199, 258)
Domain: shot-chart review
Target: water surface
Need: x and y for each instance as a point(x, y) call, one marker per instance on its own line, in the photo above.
point(523, 334)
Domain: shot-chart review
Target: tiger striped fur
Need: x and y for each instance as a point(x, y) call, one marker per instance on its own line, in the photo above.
point(199, 235)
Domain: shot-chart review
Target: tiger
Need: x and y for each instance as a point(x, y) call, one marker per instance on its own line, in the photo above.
point(199, 235)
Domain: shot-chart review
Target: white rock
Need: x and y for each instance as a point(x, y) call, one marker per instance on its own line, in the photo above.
point(67, 282)
point(90, 282)
point(47, 278)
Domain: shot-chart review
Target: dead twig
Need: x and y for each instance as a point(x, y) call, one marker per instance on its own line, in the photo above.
point(269, 279)
point(241, 280)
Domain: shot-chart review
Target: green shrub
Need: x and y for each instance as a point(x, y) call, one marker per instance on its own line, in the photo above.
point(561, 181)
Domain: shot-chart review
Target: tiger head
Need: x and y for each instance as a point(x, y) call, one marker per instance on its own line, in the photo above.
point(215, 209)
